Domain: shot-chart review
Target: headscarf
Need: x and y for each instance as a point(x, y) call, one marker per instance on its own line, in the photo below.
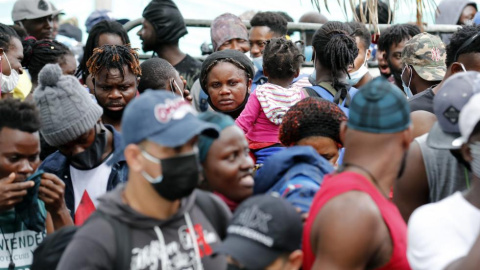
point(166, 19)
point(238, 59)
point(222, 121)
point(226, 27)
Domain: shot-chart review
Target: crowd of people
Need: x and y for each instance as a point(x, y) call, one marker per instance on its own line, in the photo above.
point(242, 160)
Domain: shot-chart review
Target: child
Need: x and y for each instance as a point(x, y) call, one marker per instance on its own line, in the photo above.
point(262, 116)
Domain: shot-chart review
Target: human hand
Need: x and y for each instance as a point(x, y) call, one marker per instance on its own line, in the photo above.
point(12, 193)
point(51, 192)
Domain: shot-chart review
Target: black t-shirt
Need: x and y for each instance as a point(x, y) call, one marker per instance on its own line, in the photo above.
point(190, 69)
point(422, 101)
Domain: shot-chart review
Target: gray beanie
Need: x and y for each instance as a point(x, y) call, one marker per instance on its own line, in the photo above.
point(66, 109)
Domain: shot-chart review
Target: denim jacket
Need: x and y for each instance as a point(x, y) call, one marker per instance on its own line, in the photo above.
point(58, 164)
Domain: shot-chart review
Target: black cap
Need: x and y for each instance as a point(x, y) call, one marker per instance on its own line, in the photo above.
point(262, 228)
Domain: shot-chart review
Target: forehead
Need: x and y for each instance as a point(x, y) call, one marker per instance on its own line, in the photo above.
point(399, 46)
point(15, 47)
point(225, 69)
point(110, 39)
point(261, 33)
point(107, 75)
point(360, 44)
point(11, 139)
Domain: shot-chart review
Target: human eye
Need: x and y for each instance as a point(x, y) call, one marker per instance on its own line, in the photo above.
point(233, 83)
point(13, 158)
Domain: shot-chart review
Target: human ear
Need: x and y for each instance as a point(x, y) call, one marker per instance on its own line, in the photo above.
point(295, 260)
point(343, 131)
point(249, 85)
point(369, 54)
point(132, 155)
point(456, 67)
point(467, 155)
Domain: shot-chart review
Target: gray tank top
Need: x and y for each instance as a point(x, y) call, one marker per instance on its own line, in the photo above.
point(445, 174)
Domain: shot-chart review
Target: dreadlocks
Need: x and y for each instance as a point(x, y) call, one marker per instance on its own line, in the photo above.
point(38, 53)
point(104, 27)
point(336, 50)
point(114, 57)
point(281, 58)
point(311, 117)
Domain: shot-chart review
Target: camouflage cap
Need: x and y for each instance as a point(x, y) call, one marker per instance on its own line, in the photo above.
point(426, 53)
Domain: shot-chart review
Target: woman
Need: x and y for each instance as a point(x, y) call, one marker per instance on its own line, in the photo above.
point(226, 162)
point(11, 53)
point(227, 77)
point(311, 132)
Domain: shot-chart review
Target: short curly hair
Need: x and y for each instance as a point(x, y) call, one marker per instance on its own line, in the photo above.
point(20, 115)
point(311, 116)
point(281, 58)
point(458, 39)
point(273, 20)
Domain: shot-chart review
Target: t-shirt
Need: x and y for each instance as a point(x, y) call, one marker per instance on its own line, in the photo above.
point(20, 240)
point(422, 101)
point(88, 186)
point(442, 232)
point(444, 173)
point(190, 69)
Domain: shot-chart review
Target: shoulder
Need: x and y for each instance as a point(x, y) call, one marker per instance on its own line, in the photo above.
point(54, 162)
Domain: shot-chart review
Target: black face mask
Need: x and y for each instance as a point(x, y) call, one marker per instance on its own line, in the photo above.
point(92, 156)
point(180, 175)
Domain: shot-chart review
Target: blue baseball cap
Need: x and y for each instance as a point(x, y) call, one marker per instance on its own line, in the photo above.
point(379, 107)
point(163, 118)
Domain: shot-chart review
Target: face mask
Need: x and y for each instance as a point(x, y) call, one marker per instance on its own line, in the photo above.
point(475, 163)
point(356, 76)
point(463, 67)
point(406, 88)
point(180, 175)
point(9, 82)
point(92, 156)
point(258, 63)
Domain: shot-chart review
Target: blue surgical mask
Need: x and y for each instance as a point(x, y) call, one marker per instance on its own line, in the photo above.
point(258, 63)
point(406, 88)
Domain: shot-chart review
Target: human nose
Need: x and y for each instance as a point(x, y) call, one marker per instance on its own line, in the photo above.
point(115, 94)
point(255, 50)
point(225, 90)
point(25, 167)
point(247, 162)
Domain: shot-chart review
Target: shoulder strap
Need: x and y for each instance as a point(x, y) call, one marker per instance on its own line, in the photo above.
point(123, 243)
point(311, 92)
point(214, 211)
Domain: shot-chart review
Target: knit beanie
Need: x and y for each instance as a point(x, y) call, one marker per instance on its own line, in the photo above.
point(66, 109)
point(166, 19)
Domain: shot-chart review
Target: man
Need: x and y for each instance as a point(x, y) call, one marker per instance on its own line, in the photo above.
point(444, 235)
point(71, 123)
point(370, 232)
point(311, 17)
point(168, 230)
point(392, 41)
point(24, 201)
point(162, 28)
point(115, 71)
point(459, 12)
point(265, 233)
point(36, 17)
point(463, 53)
point(265, 26)
point(158, 74)
point(435, 168)
point(423, 58)
point(359, 74)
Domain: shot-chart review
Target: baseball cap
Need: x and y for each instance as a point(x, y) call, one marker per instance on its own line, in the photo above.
point(447, 104)
point(262, 228)
point(469, 118)
point(379, 107)
point(33, 9)
point(163, 118)
point(98, 16)
point(426, 53)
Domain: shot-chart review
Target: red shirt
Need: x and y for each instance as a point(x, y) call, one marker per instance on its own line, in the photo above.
point(335, 185)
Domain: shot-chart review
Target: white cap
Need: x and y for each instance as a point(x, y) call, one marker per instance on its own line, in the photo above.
point(468, 120)
point(33, 9)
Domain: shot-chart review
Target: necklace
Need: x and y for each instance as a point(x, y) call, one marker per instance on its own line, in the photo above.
point(374, 180)
point(11, 265)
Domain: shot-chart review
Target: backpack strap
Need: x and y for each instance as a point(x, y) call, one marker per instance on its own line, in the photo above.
point(311, 92)
point(123, 238)
point(216, 212)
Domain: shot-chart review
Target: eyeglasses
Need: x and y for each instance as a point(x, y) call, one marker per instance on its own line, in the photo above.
point(175, 88)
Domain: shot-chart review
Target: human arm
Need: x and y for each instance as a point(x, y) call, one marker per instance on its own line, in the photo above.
point(411, 190)
point(51, 192)
point(348, 232)
point(250, 114)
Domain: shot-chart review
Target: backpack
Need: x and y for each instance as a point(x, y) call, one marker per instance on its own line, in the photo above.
point(325, 91)
point(49, 252)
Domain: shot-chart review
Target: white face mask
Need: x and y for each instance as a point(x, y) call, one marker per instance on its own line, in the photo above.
point(463, 67)
point(9, 82)
point(258, 62)
point(357, 75)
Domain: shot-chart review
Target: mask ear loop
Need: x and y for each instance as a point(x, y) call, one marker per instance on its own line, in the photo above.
point(410, 80)
point(1, 72)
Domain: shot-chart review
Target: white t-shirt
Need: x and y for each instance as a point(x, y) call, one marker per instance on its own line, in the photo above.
point(442, 232)
point(93, 182)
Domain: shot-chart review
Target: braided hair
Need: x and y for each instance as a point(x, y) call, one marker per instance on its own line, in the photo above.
point(336, 50)
point(114, 57)
point(281, 58)
point(103, 27)
point(6, 35)
point(38, 53)
point(311, 116)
